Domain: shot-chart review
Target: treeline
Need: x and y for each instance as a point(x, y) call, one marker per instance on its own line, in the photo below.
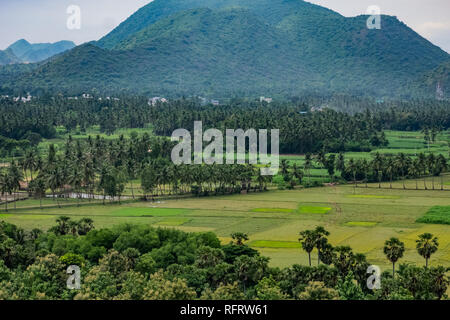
point(141, 262)
point(380, 168)
point(97, 166)
point(301, 130)
point(111, 168)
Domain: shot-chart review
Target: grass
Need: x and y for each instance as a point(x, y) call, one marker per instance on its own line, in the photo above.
point(436, 215)
point(173, 222)
point(372, 196)
point(140, 212)
point(272, 219)
point(282, 210)
point(361, 224)
point(313, 210)
point(275, 244)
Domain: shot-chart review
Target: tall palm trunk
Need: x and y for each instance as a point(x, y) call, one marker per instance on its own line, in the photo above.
point(57, 202)
point(403, 177)
point(132, 189)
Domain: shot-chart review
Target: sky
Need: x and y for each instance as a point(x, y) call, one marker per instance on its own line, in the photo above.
point(46, 20)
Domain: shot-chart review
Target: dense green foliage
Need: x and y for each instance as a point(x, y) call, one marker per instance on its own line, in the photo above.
point(246, 48)
point(436, 215)
point(25, 124)
point(141, 262)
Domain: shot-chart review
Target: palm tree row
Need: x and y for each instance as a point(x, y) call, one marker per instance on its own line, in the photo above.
point(381, 168)
point(106, 167)
point(10, 182)
point(426, 246)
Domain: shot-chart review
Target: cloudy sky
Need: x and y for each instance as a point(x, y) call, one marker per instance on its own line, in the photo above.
point(46, 20)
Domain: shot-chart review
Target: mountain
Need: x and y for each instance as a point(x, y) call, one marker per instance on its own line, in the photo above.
point(8, 57)
point(182, 58)
point(26, 52)
point(436, 81)
point(226, 48)
point(271, 11)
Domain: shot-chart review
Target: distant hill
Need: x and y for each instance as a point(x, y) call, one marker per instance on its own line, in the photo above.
point(8, 57)
point(436, 81)
point(25, 52)
point(225, 48)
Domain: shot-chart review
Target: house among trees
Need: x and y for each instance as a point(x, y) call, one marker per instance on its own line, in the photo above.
point(317, 109)
point(264, 99)
point(153, 101)
point(23, 99)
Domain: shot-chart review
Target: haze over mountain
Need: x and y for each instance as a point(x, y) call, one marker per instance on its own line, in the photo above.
point(22, 51)
point(245, 47)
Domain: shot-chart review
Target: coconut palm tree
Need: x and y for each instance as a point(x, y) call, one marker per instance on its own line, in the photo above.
point(320, 235)
point(422, 161)
point(426, 246)
point(308, 242)
point(75, 180)
point(54, 181)
point(38, 187)
point(5, 187)
point(377, 164)
point(15, 176)
point(394, 249)
point(442, 165)
point(401, 162)
point(431, 163)
point(30, 161)
point(351, 166)
point(414, 172)
point(340, 163)
point(390, 169)
point(307, 166)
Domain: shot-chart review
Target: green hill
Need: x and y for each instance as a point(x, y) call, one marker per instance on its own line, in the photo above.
point(25, 52)
point(8, 57)
point(439, 77)
point(242, 47)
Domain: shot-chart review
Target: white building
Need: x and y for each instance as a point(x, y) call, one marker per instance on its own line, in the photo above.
point(154, 100)
point(264, 99)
